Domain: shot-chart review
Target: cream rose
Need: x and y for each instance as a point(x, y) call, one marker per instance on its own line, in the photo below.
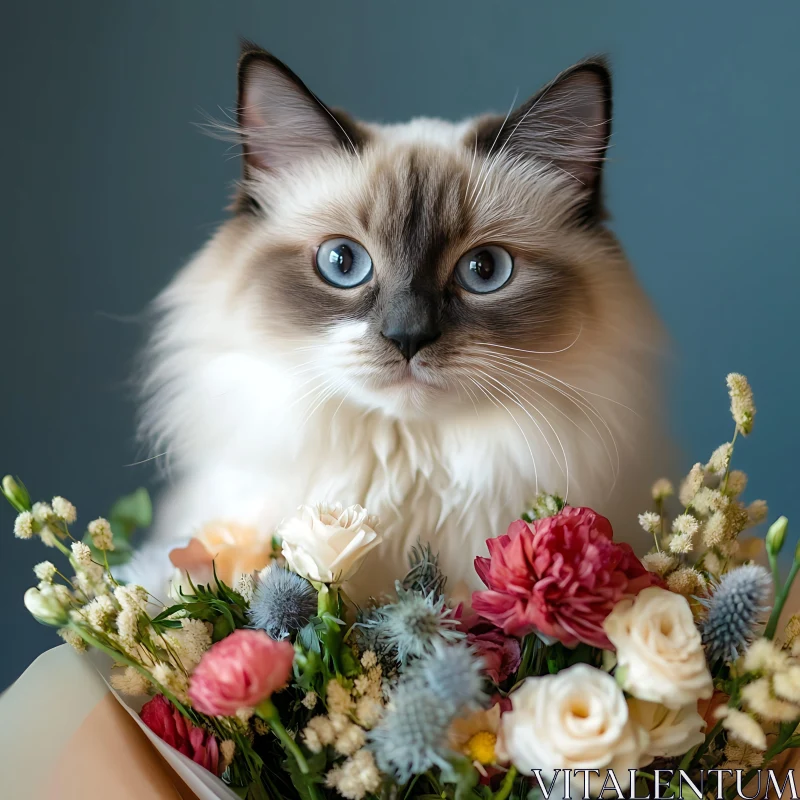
point(672, 731)
point(659, 651)
point(327, 543)
point(575, 719)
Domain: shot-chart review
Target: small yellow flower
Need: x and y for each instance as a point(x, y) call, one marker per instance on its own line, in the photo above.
point(476, 735)
point(480, 747)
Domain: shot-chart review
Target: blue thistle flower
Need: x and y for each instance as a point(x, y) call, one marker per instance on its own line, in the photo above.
point(735, 612)
point(413, 625)
point(453, 674)
point(412, 735)
point(424, 574)
point(367, 635)
point(282, 603)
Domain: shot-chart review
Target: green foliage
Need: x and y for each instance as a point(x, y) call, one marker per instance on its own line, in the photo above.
point(129, 513)
point(216, 603)
point(306, 785)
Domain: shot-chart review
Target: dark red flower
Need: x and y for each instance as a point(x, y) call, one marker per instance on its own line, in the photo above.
point(170, 725)
point(560, 576)
point(500, 653)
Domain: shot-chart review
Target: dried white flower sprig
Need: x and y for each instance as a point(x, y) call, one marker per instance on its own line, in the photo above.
point(703, 541)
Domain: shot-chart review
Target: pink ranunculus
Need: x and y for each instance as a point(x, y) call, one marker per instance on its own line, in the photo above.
point(560, 576)
point(500, 652)
point(170, 725)
point(240, 671)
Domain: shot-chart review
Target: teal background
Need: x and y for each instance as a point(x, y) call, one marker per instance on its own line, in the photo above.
point(107, 188)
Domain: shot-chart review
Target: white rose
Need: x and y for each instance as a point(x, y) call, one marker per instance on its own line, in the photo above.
point(672, 731)
point(575, 719)
point(327, 543)
point(659, 650)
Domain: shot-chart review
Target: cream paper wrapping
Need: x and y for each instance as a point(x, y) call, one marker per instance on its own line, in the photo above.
point(65, 734)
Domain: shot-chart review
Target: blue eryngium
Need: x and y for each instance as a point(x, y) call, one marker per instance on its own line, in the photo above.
point(413, 625)
point(283, 602)
point(424, 573)
point(735, 612)
point(412, 735)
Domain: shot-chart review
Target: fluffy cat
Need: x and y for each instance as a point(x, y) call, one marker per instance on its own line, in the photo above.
point(430, 319)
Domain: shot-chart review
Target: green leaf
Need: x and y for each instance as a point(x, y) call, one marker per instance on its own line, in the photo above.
point(133, 510)
point(305, 784)
point(350, 664)
point(222, 628)
point(308, 638)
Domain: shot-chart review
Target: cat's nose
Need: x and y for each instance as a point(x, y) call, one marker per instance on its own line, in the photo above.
point(410, 341)
point(411, 322)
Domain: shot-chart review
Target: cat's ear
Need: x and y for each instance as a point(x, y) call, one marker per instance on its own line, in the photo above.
point(280, 120)
point(567, 124)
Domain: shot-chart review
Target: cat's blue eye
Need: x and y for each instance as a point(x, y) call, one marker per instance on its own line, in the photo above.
point(343, 263)
point(484, 269)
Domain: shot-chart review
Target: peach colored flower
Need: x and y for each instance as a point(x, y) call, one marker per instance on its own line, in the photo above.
point(234, 549)
point(240, 671)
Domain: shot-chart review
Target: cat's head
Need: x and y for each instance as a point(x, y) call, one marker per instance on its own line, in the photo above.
point(420, 266)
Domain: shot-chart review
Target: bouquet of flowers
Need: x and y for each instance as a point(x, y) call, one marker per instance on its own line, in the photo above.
point(580, 670)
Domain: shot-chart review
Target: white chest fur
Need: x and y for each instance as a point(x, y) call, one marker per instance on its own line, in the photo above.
point(255, 455)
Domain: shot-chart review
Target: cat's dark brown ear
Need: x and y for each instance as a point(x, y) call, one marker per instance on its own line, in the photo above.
point(280, 120)
point(567, 124)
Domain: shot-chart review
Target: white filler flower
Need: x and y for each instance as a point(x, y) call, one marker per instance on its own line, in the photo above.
point(576, 719)
point(659, 650)
point(327, 543)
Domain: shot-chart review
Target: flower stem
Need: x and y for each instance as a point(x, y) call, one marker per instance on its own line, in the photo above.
point(267, 711)
point(506, 786)
point(780, 600)
point(121, 658)
point(327, 609)
point(730, 458)
point(693, 755)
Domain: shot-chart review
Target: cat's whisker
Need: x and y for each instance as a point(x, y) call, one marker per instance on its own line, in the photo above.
point(320, 399)
point(527, 381)
point(497, 136)
point(577, 389)
point(310, 391)
point(534, 352)
point(580, 402)
point(469, 394)
point(471, 167)
point(511, 395)
point(497, 401)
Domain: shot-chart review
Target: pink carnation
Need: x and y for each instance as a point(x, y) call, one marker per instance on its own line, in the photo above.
point(500, 653)
point(170, 725)
point(560, 576)
point(240, 671)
